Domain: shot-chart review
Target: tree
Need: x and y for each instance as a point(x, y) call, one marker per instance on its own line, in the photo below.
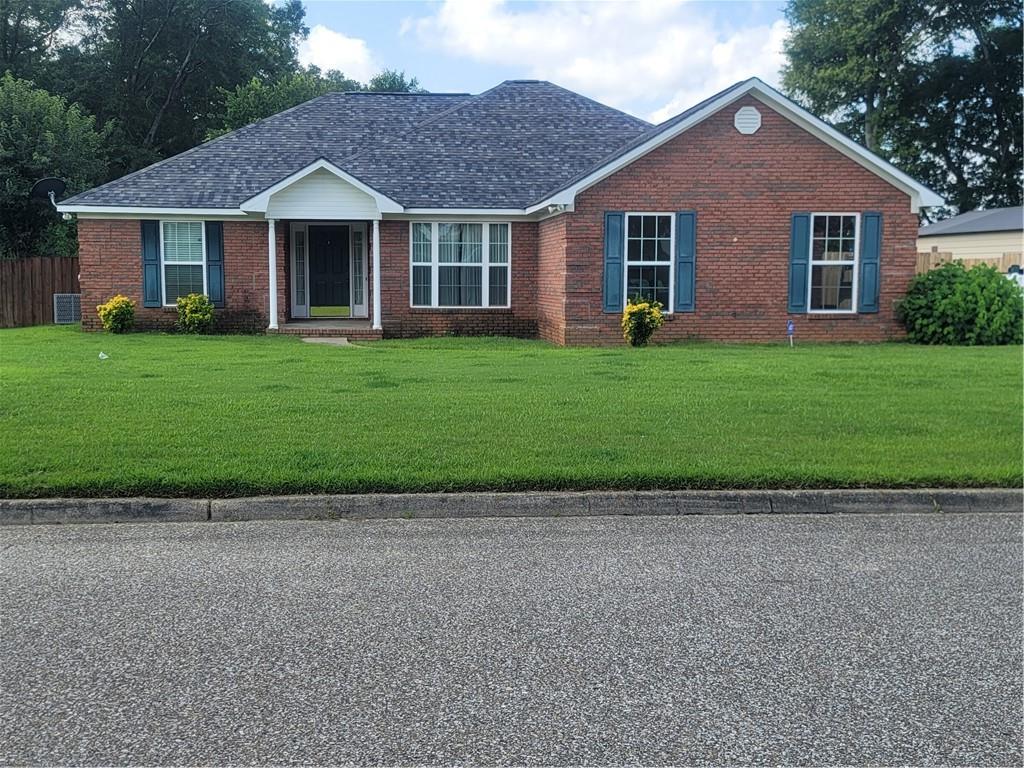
point(844, 57)
point(41, 135)
point(28, 31)
point(959, 124)
point(155, 66)
point(933, 87)
point(256, 100)
point(394, 81)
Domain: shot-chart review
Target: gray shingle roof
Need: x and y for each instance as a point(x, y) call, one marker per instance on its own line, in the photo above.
point(226, 171)
point(504, 148)
point(993, 220)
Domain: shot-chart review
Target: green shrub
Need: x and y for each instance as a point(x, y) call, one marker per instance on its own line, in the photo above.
point(640, 320)
point(195, 314)
point(117, 315)
point(956, 305)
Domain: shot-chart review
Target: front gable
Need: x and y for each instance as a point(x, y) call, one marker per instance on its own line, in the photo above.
point(739, 102)
point(779, 166)
point(321, 190)
point(321, 195)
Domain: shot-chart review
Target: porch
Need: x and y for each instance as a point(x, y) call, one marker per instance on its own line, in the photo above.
point(329, 227)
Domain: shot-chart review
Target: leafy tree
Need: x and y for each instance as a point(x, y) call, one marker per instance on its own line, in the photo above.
point(959, 124)
point(256, 100)
point(28, 31)
point(394, 81)
point(845, 57)
point(932, 86)
point(154, 66)
point(40, 136)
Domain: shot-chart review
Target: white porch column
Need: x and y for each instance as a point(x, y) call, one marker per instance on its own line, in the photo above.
point(376, 275)
point(272, 265)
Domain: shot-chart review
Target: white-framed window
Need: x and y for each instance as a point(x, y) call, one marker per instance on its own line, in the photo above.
point(835, 244)
point(650, 268)
point(182, 259)
point(460, 264)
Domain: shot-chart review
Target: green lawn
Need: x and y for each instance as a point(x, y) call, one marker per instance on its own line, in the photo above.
point(173, 415)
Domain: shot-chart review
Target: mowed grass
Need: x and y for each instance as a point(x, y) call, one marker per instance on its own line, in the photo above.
point(172, 415)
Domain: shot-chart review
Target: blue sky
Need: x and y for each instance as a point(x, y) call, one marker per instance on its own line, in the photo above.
point(652, 58)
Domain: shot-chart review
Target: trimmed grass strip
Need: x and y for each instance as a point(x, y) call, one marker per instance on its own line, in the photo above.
point(170, 415)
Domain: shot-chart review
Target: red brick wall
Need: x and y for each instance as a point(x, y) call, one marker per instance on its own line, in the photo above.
point(110, 262)
point(401, 320)
point(744, 189)
point(246, 277)
point(110, 253)
point(551, 279)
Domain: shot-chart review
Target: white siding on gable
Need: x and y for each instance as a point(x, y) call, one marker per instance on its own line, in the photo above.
point(321, 195)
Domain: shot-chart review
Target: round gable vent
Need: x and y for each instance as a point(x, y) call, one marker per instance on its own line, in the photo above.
point(747, 120)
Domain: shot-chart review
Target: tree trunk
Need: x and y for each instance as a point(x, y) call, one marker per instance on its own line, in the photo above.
point(870, 124)
point(172, 94)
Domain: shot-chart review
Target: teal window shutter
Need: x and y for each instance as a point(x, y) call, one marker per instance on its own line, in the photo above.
point(686, 260)
point(151, 264)
point(215, 262)
point(799, 261)
point(870, 277)
point(614, 241)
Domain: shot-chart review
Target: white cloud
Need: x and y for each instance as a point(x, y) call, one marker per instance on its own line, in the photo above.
point(651, 58)
point(329, 49)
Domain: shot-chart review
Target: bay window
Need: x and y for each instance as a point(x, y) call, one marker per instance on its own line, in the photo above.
point(459, 264)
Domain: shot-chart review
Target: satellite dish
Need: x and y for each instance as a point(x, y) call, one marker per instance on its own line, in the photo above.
point(48, 189)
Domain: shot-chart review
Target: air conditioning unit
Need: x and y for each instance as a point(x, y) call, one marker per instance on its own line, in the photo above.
point(67, 308)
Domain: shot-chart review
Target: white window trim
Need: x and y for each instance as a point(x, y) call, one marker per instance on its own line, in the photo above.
point(671, 263)
point(485, 265)
point(163, 271)
point(812, 263)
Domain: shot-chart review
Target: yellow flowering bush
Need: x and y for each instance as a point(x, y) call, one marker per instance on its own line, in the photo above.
point(195, 314)
point(117, 315)
point(640, 320)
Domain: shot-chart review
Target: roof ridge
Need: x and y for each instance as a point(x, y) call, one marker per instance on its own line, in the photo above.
point(403, 93)
point(421, 124)
point(587, 99)
point(475, 99)
point(205, 144)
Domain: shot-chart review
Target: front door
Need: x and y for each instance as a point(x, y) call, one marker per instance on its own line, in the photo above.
point(329, 272)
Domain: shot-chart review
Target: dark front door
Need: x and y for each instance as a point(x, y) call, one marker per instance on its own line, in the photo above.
point(329, 267)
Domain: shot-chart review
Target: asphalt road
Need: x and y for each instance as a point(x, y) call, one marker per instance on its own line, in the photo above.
point(807, 640)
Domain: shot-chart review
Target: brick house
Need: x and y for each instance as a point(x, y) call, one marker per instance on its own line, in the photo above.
point(527, 210)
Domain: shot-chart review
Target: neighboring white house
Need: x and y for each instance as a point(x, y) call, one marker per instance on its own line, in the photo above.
point(995, 236)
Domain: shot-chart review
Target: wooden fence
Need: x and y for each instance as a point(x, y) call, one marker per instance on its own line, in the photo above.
point(27, 287)
point(927, 260)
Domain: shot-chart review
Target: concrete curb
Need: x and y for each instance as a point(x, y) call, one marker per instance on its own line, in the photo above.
point(527, 504)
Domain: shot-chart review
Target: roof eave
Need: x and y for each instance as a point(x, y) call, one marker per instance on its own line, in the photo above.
point(134, 210)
